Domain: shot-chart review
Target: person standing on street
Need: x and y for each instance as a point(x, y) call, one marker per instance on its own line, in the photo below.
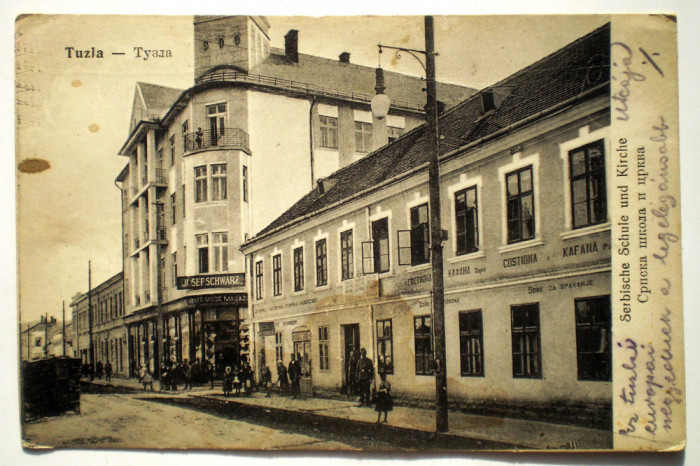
point(267, 380)
point(295, 376)
point(384, 401)
point(365, 375)
point(98, 369)
point(351, 375)
point(108, 371)
point(282, 379)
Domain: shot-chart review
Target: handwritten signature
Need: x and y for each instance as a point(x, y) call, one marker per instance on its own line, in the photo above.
point(625, 80)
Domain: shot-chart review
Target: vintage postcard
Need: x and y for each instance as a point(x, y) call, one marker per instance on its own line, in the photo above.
point(381, 233)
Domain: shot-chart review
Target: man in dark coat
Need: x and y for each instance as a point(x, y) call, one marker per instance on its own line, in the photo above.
point(98, 369)
point(295, 376)
point(351, 375)
point(108, 371)
point(364, 375)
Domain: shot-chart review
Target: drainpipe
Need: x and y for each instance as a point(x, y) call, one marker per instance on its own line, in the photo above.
point(311, 138)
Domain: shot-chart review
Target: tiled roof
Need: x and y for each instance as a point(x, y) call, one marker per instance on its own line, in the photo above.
point(578, 67)
point(158, 97)
point(349, 77)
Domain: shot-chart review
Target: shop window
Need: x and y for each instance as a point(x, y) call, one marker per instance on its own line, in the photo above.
point(200, 184)
point(298, 269)
point(588, 196)
point(466, 218)
point(323, 348)
point(220, 249)
point(520, 205)
point(346, 256)
point(258, 280)
point(525, 329)
point(321, 263)
point(471, 343)
point(218, 182)
point(329, 132)
point(593, 328)
point(375, 253)
point(423, 339)
point(385, 347)
point(277, 275)
point(363, 136)
point(202, 253)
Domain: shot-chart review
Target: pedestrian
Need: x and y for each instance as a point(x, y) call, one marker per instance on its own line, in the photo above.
point(228, 381)
point(108, 371)
point(187, 371)
point(198, 137)
point(164, 377)
point(174, 375)
point(145, 378)
point(282, 380)
point(295, 376)
point(267, 380)
point(99, 369)
point(384, 400)
point(209, 373)
point(237, 380)
point(196, 373)
point(246, 377)
point(364, 375)
point(351, 375)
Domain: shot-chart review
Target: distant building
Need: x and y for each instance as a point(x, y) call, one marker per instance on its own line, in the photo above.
point(106, 301)
point(45, 339)
point(210, 166)
point(525, 172)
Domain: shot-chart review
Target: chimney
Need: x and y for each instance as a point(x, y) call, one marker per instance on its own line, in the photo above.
point(344, 57)
point(291, 45)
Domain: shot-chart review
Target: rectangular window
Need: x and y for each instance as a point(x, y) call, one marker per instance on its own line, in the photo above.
point(593, 328)
point(321, 263)
point(323, 348)
point(385, 347)
point(277, 275)
point(160, 158)
point(587, 170)
point(217, 122)
point(520, 205)
point(220, 246)
point(174, 257)
point(420, 235)
point(329, 132)
point(423, 339)
point(466, 216)
point(471, 343)
point(172, 208)
point(394, 133)
point(299, 269)
point(218, 182)
point(525, 329)
point(363, 136)
point(245, 183)
point(172, 149)
point(184, 201)
point(380, 246)
point(203, 252)
point(258, 280)
point(200, 184)
point(279, 355)
point(346, 258)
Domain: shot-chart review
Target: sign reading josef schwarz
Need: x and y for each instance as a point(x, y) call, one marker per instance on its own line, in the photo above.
point(210, 281)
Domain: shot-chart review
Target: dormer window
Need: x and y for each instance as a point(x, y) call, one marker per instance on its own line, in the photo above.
point(221, 42)
point(205, 45)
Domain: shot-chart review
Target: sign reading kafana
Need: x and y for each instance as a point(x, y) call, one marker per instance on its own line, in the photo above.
point(213, 299)
point(210, 281)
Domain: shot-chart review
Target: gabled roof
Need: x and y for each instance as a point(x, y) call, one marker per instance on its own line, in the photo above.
point(578, 69)
point(350, 77)
point(158, 98)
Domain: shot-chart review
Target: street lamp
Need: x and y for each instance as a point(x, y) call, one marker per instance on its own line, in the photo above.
point(380, 109)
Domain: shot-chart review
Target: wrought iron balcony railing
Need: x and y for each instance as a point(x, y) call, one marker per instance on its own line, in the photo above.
point(160, 175)
point(228, 138)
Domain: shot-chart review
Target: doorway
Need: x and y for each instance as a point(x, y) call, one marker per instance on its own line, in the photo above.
point(351, 333)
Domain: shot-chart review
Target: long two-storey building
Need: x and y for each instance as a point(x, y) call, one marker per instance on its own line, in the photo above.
point(211, 165)
point(524, 175)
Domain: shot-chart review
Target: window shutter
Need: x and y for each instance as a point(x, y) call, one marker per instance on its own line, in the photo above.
point(404, 242)
point(367, 257)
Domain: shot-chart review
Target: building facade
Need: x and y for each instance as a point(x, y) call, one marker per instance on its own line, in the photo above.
point(211, 165)
point(524, 176)
point(45, 339)
point(103, 326)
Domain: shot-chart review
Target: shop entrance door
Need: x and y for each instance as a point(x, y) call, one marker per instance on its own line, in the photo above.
point(303, 348)
point(351, 332)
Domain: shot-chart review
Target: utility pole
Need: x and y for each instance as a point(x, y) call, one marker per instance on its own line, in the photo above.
point(46, 334)
point(64, 327)
point(436, 232)
point(92, 350)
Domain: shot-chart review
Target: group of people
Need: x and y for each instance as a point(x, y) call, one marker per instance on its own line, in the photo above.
point(236, 379)
point(359, 377)
point(99, 371)
point(176, 373)
point(290, 375)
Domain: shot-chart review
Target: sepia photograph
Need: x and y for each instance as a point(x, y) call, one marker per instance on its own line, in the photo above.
point(426, 233)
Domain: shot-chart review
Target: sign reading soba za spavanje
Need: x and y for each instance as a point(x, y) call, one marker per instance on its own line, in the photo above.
point(210, 281)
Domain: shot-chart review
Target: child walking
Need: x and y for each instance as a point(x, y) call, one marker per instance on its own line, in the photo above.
point(384, 401)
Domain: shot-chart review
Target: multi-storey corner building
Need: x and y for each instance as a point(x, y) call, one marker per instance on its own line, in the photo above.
point(211, 165)
point(103, 326)
point(524, 172)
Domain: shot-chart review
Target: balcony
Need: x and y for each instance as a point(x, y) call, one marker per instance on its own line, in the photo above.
point(224, 138)
point(162, 234)
point(160, 176)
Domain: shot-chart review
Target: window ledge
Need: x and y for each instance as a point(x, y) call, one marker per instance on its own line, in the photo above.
point(522, 245)
point(585, 231)
point(416, 268)
point(208, 203)
point(466, 257)
point(299, 293)
point(322, 287)
point(328, 149)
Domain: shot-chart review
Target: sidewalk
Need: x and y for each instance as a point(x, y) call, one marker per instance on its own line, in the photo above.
point(516, 432)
